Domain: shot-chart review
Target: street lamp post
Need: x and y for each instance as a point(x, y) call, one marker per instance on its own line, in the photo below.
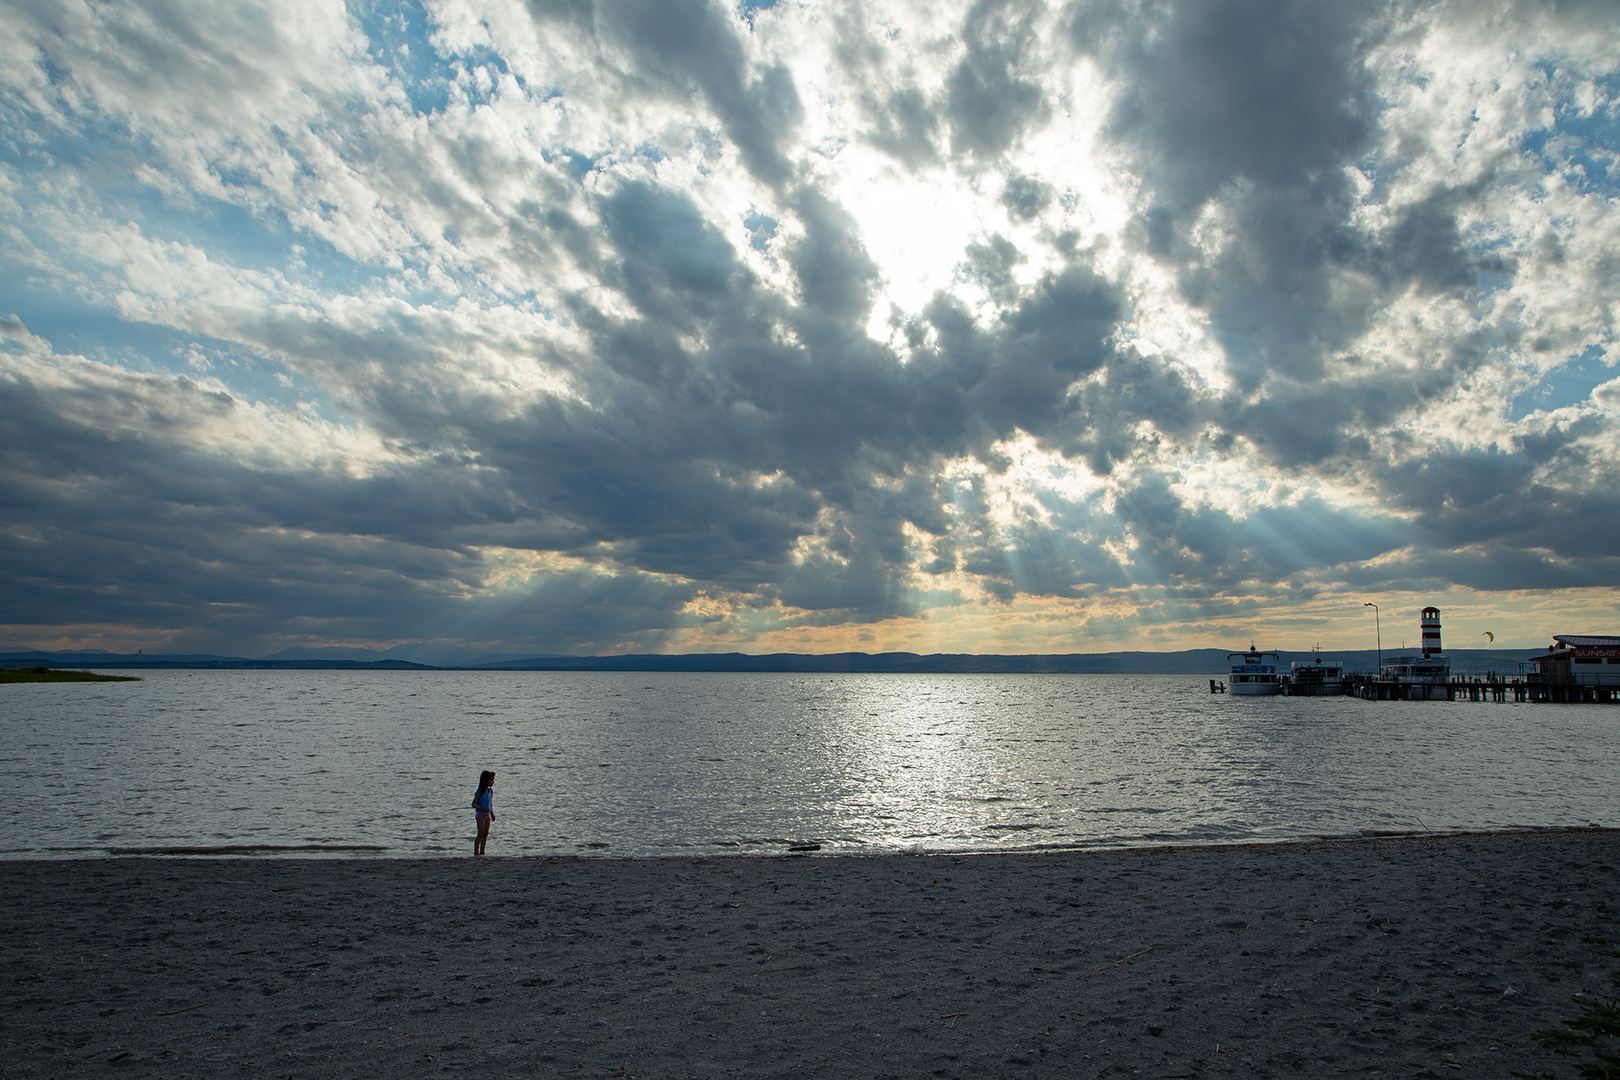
point(1380, 631)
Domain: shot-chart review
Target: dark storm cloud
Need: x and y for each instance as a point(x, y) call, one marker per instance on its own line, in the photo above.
point(905, 125)
point(1196, 551)
point(106, 519)
point(1425, 246)
point(1061, 331)
point(711, 461)
point(652, 486)
point(545, 229)
point(670, 465)
point(990, 266)
point(668, 247)
point(900, 118)
point(1260, 107)
point(836, 275)
point(991, 100)
point(1108, 409)
point(690, 46)
point(1025, 197)
point(1523, 499)
point(1271, 91)
point(1261, 103)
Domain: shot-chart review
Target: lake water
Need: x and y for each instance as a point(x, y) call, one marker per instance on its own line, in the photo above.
point(385, 763)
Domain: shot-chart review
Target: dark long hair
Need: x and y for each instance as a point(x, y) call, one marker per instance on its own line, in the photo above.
point(485, 779)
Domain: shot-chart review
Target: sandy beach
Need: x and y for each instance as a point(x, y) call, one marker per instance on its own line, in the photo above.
point(1406, 957)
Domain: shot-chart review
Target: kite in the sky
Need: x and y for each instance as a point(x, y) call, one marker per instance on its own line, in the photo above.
point(1491, 636)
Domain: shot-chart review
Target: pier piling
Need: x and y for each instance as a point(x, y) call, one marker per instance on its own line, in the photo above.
point(1510, 691)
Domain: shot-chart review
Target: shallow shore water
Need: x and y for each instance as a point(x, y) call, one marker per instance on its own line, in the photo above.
point(1434, 956)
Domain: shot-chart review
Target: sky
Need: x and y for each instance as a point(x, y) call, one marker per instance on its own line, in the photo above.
point(605, 326)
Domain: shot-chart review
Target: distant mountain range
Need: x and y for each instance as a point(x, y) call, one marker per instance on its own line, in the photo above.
point(1190, 661)
point(447, 656)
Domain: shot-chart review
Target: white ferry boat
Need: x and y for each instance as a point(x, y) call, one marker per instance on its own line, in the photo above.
point(1315, 678)
point(1418, 678)
point(1254, 672)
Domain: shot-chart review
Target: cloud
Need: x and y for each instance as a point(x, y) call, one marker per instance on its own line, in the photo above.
point(682, 47)
point(990, 97)
point(585, 326)
point(1271, 92)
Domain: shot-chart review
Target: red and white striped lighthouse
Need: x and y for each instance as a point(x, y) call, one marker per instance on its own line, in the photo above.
point(1431, 631)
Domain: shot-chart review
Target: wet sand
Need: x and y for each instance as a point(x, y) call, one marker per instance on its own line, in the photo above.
point(1393, 957)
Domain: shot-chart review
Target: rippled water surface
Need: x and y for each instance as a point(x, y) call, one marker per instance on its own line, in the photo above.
point(658, 764)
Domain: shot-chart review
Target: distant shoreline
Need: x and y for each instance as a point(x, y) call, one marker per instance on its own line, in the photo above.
point(55, 675)
point(1199, 662)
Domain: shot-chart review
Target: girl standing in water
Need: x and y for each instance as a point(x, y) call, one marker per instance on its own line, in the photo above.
point(483, 805)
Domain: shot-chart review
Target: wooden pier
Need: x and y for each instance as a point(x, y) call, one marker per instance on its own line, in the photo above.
point(1507, 690)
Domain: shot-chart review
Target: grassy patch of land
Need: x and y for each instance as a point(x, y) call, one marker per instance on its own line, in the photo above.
point(45, 674)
